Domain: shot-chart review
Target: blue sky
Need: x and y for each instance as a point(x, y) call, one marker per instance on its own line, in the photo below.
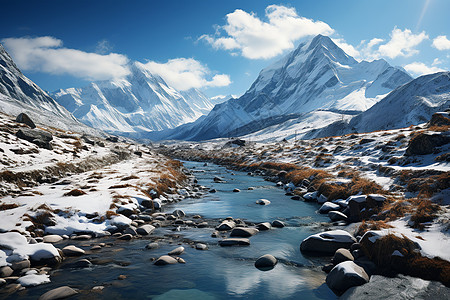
point(217, 46)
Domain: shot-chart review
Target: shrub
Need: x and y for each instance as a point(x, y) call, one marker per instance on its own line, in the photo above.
point(75, 192)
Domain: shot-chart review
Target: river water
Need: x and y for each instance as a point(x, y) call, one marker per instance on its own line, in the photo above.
point(219, 272)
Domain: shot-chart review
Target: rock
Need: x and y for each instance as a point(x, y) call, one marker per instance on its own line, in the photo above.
point(180, 260)
point(122, 277)
point(346, 275)
point(327, 207)
point(151, 246)
point(201, 246)
point(399, 287)
point(81, 264)
point(82, 237)
point(278, 224)
point(71, 250)
point(177, 251)
point(234, 242)
point(20, 265)
point(250, 188)
point(264, 226)
point(125, 237)
point(202, 224)
point(226, 225)
point(213, 191)
point(263, 202)
point(126, 211)
point(2, 282)
point(327, 268)
point(425, 143)
point(145, 229)
point(218, 179)
point(266, 262)
point(311, 196)
point(243, 232)
point(165, 260)
point(58, 293)
point(327, 242)
point(236, 190)
point(342, 255)
point(179, 213)
point(322, 199)
point(6, 271)
point(25, 119)
point(38, 137)
point(53, 238)
point(145, 218)
point(337, 216)
point(215, 234)
point(96, 247)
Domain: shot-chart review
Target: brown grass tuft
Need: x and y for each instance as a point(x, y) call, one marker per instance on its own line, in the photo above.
point(75, 193)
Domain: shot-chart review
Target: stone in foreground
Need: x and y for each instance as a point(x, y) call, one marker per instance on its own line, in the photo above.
point(59, 293)
point(346, 275)
point(266, 262)
point(165, 260)
point(243, 232)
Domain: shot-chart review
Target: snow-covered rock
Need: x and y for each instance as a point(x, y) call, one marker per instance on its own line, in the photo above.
point(346, 275)
point(327, 207)
point(327, 242)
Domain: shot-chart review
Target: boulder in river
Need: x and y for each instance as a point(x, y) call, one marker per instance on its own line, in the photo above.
point(264, 226)
point(165, 260)
point(58, 293)
point(262, 202)
point(226, 225)
point(72, 250)
point(243, 232)
point(346, 275)
point(328, 206)
point(266, 262)
point(278, 224)
point(337, 216)
point(177, 251)
point(327, 242)
point(52, 238)
point(342, 255)
point(145, 229)
point(234, 242)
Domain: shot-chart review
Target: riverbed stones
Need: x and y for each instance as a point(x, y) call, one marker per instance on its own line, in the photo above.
point(179, 213)
point(278, 224)
point(145, 229)
point(131, 230)
point(243, 232)
point(58, 293)
point(236, 190)
point(266, 262)
point(200, 246)
point(327, 207)
point(226, 225)
point(72, 250)
point(342, 255)
point(234, 242)
point(125, 237)
point(6, 271)
point(151, 246)
point(262, 202)
point(177, 251)
point(337, 216)
point(346, 275)
point(264, 226)
point(52, 238)
point(20, 265)
point(165, 260)
point(327, 242)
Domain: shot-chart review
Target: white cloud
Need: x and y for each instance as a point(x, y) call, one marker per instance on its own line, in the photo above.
point(103, 47)
point(186, 73)
point(418, 68)
point(47, 54)
point(441, 43)
point(255, 39)
point(402, 43)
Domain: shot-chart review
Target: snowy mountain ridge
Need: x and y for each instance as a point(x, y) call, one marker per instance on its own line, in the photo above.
point(19, 94)
point(317, 76)
point(141, 102)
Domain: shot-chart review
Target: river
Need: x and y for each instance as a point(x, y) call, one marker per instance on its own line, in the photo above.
point(219, 272)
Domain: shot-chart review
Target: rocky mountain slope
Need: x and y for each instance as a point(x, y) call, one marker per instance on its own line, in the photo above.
point(317, 76)
point(142, 102)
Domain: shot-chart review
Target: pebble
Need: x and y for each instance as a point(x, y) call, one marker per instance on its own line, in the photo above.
point(71, 250)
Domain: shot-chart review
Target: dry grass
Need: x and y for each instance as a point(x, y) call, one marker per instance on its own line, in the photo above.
point(412, 263)
point(6, 206)
point(440, 128)
point(129, 178)
point(110, 213)
point(120, 186)
point(426, 211)
point(371, 225)
point(75, 193)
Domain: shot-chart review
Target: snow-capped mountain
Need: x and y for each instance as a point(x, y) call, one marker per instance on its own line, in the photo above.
point(139, 103)
point(221, 98)
point(317, 76)
point(19, 94)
